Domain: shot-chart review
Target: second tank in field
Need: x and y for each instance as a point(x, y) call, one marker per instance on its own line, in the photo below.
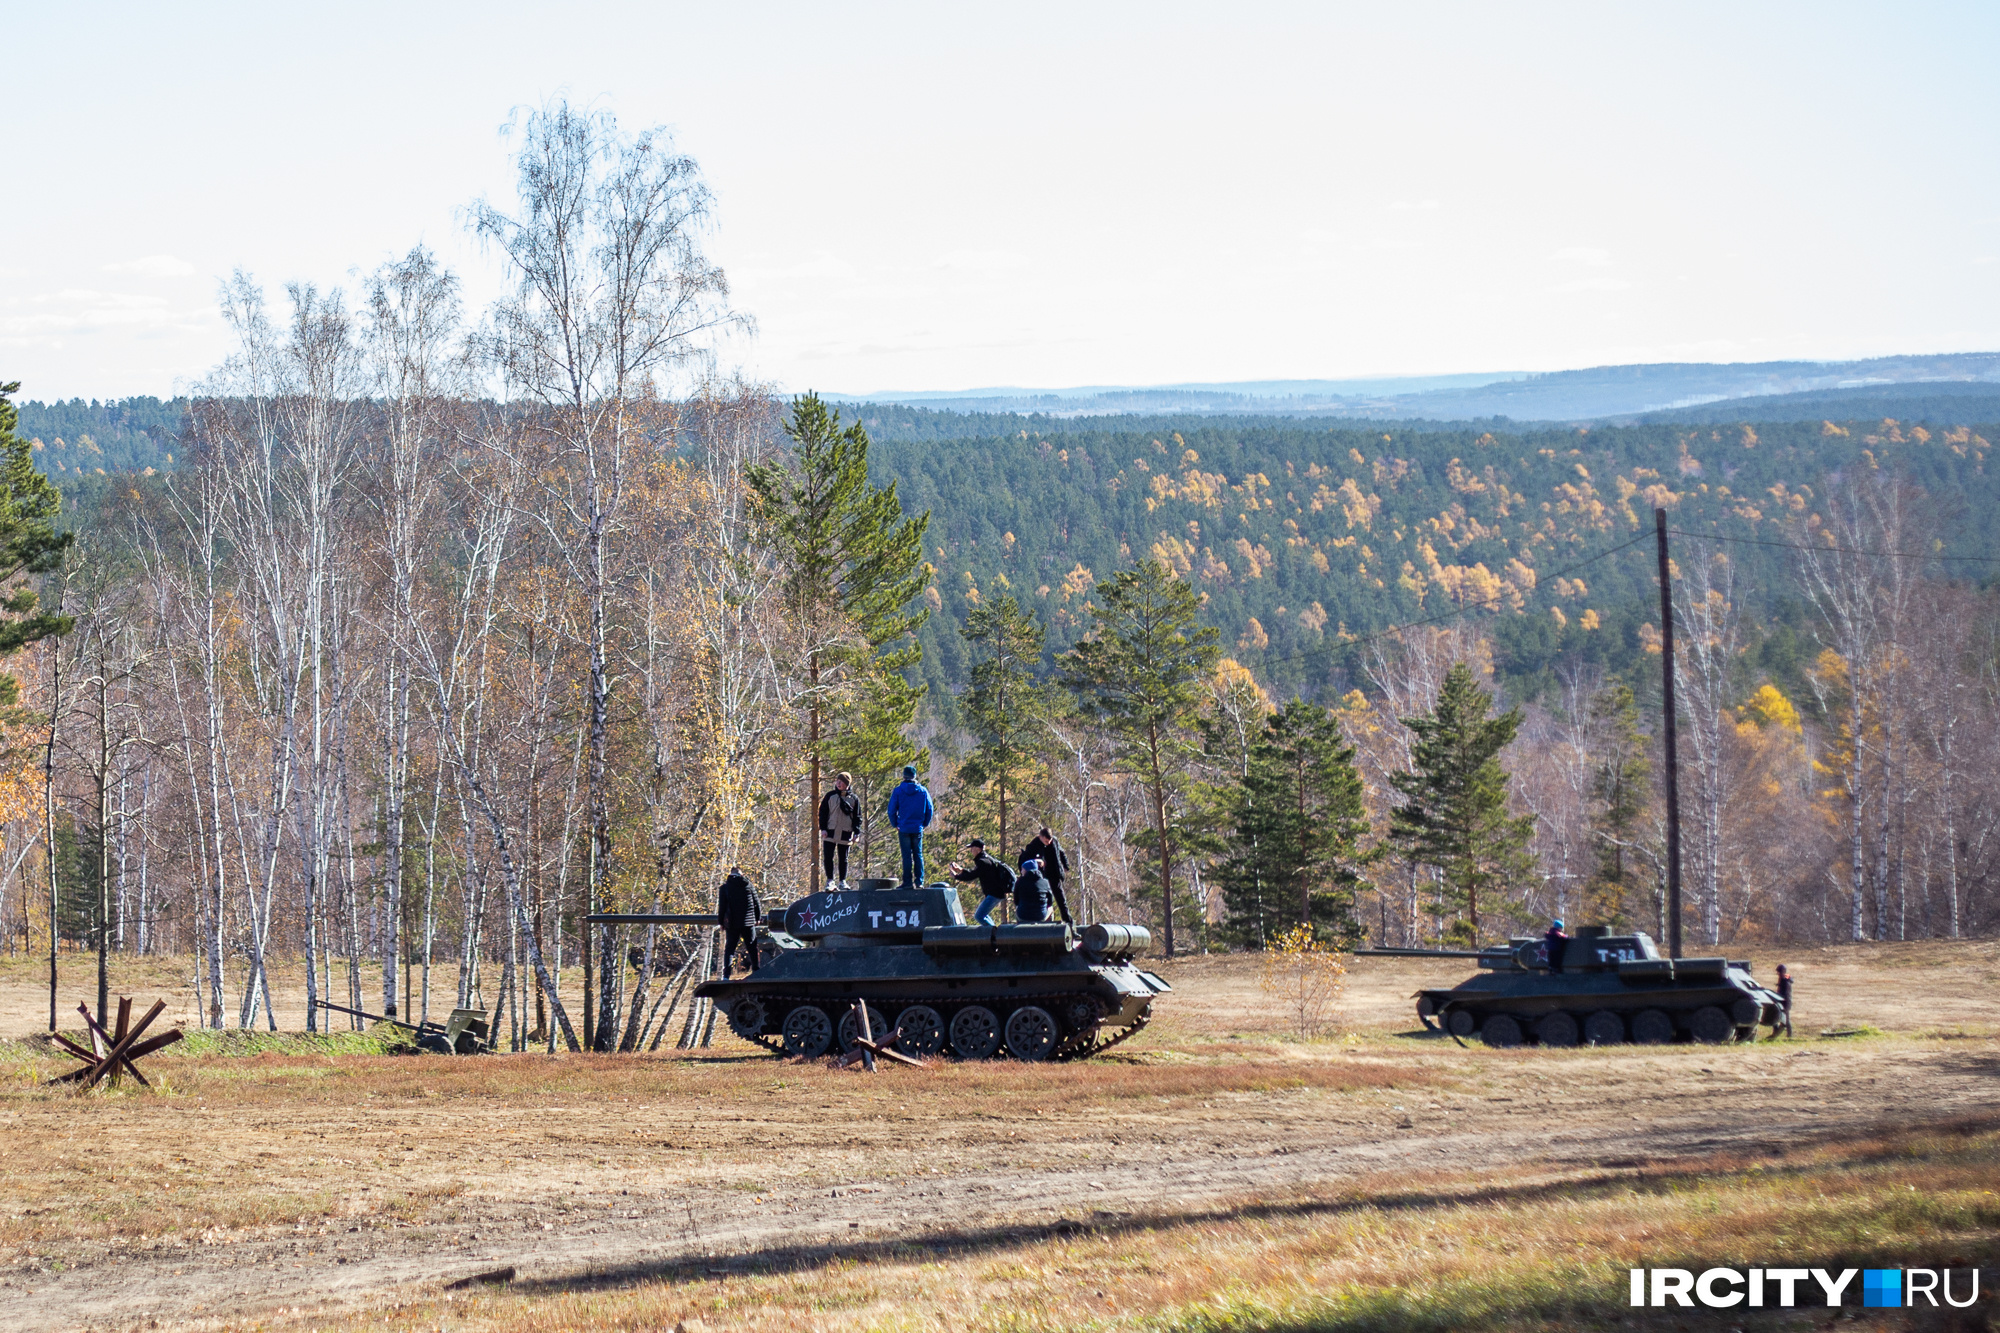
point(1610, 989)
point(939, 985)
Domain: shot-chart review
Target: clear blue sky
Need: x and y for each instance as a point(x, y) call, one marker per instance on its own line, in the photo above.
point(940, 197)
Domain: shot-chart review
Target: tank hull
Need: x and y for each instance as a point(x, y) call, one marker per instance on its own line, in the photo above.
point(922, 988)
point(1618, 989)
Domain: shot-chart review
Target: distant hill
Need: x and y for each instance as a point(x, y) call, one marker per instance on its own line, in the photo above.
point(1295, 531)
point(1671, 390)
point(83, 438)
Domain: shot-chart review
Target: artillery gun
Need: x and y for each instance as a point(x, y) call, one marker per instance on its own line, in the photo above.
point(1036, 992)
point(464, 1033)
point(1609, 989)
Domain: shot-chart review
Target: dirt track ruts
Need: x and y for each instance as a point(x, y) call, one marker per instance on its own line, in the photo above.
point(1796, 1099)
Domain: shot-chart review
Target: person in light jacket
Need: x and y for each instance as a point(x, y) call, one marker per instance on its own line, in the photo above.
point(839, 825)
point(911, 812)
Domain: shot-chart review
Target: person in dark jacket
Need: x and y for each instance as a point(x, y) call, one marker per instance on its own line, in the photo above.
point(995, 880)
point(911, 812)
point(1031, 894)
point(1784, 1002)
point(736, 911)
point(839, 825)
point(1558, 945)
point(1055, 867)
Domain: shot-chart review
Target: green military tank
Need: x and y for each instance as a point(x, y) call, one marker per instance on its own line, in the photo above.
point(1610, 989)
point(936, 984)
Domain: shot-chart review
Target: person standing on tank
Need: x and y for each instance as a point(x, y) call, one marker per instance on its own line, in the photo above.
point(1031, 894)
point(995, 881)
point(1558, 944)
point(839, 825)
point(736, 911)
point(910, 813)
point(1044, 848)
point(1784, 1003)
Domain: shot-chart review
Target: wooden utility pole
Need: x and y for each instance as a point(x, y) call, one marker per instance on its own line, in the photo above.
point(1667, 731)
point(49, 814)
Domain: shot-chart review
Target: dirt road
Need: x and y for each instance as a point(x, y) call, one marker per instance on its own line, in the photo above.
point(269, 1187)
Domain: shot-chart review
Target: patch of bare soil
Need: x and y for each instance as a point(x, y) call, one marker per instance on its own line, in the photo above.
point(265, 1188)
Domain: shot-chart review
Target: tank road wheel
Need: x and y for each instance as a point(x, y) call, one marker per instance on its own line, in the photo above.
point(975, 1033)
point(808, 1031)
point(1712, 1026)
point(1085, 1014)
point(1604, 1028)
point(1462, 1023)
point(1746, 1011)
point(1557, 1029)
point(1031, 1033)
point(922, 1031)
point(746, 1018)
point(850, 1027)
point(1500, 1032)
point(1652, 1028)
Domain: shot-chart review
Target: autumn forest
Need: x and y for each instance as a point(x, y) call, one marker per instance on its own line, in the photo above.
point(415, 634)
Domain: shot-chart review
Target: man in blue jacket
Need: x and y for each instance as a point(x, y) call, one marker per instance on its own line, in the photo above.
point(911, 812)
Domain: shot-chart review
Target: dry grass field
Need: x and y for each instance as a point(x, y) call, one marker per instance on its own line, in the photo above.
point(1215, 1173)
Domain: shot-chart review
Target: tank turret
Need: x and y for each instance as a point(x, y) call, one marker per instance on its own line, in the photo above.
point(938, 984)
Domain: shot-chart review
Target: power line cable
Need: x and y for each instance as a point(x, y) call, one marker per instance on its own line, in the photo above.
point(1841, 550)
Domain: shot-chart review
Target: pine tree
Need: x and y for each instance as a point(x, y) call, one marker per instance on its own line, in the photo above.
point(853, 564)
point(1454, 815)
point(1139, 673)
point(1295, 851)
point(1005, 706)
point(1622, 787)
point(30, 504)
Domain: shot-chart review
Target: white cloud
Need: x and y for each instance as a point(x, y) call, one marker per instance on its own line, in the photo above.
point(153, 266)
point(1592, 285)
point(1588, 256)
point(42, 319)
point(981, 261)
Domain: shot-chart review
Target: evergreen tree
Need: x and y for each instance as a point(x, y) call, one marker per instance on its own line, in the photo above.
point(1006, 707)
point(1295, 852)
point(1139, 673)
point(1454, 815)
point(853, 564)
point(1622, 786)
point(30, 504)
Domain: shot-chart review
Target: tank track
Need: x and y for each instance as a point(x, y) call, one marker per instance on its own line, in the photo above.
point(1076, 1046)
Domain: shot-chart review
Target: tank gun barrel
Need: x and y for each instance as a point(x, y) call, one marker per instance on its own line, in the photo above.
point(1417, 953)
point(651, 918)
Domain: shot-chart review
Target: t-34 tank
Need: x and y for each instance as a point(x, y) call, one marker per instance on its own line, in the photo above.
point(1611, 988)
point(940, 986)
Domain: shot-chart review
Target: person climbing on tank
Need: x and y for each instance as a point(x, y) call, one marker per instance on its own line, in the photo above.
point(1558, 945)
point(839, 823)
point(1784, 1003)
point(1043, 847)
point(994, 879)
point(1031, 894)
point(911, 812)
point(736, 911)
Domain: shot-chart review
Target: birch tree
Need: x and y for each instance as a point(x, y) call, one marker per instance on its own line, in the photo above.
point(613, 294)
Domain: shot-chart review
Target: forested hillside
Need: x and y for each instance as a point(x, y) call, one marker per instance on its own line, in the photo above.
point(78, 438)
point(1301, 537)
